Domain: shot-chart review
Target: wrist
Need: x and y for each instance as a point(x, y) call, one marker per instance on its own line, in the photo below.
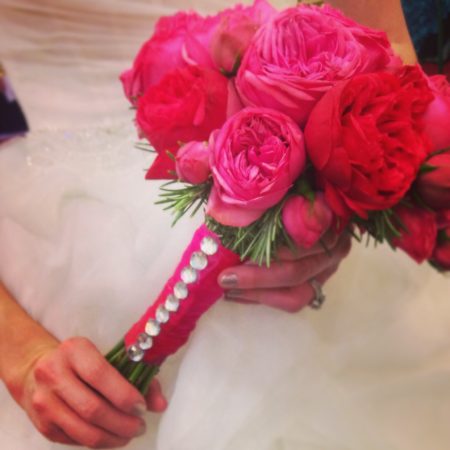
point(22, 343)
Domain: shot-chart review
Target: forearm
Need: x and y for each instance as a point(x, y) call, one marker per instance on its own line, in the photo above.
point(384, 15)
point(22, 342)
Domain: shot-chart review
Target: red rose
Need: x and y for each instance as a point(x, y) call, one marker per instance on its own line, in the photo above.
point(366, 143)
point(185, 106)
point(434, 186)
point(441, 254)
point(178, 40)
point(419, 238)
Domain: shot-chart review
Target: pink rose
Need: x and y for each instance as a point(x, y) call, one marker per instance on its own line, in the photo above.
point(306, 221)
point(187, 105)
point(235, 31)
point(192, 162)
point(418, 240)
point(301, 53)
point(437, 117)
point(178, 40)
point(434, 186)
point(255, 158)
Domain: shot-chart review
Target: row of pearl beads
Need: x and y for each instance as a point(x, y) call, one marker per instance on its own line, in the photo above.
point(189, 274)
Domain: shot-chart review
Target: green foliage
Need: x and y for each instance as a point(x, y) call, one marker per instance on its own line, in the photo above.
point(259, 240)
point(190, 197)
point(380, 225)
point(145, 147)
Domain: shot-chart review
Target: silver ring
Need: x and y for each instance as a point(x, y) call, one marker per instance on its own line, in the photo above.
point(319, 296)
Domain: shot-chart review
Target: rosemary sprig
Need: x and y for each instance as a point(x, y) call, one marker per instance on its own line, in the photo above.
point(182, 200)
point(382, 226)
point(257, 241)
point(145, 147)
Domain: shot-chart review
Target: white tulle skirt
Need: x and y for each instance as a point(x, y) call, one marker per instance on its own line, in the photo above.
point(84, 249)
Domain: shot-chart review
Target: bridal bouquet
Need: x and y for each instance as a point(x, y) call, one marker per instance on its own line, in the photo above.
point(282, 125)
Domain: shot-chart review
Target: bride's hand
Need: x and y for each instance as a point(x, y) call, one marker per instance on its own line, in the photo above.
point(285, 284)
point(74, 396)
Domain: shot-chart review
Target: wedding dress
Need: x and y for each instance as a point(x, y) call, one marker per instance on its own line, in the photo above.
point(83, 248)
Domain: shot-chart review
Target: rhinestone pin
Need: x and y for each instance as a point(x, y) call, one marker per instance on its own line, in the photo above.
point(198, 261)
point(180, 290)
point(172, 303)
point(144, 341)
point(162, 315)
point(152, 327)
point(209, 246)
point(135, 353)
point(189, 275)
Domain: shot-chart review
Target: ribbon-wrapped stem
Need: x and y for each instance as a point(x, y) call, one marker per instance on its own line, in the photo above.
point(168, 322)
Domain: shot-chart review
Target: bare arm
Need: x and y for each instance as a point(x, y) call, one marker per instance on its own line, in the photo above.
point(384, 15)
point(69, 391)
point(22, 343)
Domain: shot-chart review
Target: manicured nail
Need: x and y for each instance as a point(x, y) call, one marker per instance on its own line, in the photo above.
point(234, 293)
point(142, 429)
point(228, 280)
point(139, 409)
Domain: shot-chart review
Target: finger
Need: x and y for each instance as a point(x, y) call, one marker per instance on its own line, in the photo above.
point(291, 299)
point(282, 274)
point(58, 416)
point(278, 275)
point(156, 401)
point(58, 435)
point(94, 409)
point(93, 369)
point(239, 300)
point(52, 432)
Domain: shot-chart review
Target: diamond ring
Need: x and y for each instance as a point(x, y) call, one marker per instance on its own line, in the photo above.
point(319, 296)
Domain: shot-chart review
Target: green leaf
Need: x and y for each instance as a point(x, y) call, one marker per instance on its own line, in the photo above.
point(426, 168)
point(171, 155)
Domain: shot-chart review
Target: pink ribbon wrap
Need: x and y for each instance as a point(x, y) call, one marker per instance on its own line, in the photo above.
point(203, 293)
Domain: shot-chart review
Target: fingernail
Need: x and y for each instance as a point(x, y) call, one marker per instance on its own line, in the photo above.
point(228, 280)
point(234, 293)
point(142, 429)
point(139, 409)
point(162, 404)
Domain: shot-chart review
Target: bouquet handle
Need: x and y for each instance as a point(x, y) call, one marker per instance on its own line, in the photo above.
point(166, 325)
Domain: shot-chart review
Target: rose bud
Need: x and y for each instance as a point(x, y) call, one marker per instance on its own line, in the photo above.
point(192, 162)
point(235, 31)
point(434, 186)
point(441, 254)
point(306, 221)
point(437, 117)
point(443, 219)
point(419, 237)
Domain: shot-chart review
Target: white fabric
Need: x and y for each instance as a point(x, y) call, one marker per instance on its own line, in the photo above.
point(83, 248)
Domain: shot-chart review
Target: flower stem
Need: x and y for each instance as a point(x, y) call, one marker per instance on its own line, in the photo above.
point(139, 374)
